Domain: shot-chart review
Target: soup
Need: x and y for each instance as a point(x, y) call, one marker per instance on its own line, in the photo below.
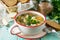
point(29, 19)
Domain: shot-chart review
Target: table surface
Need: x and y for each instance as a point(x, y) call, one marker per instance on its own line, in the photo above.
point(6, 35)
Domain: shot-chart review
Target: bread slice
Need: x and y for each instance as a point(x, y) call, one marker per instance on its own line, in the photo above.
point(11, 10)
point(53, 24)
point(23, 1)
point(9, 2)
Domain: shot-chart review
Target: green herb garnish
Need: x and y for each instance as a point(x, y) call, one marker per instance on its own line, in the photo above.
point(31, 21)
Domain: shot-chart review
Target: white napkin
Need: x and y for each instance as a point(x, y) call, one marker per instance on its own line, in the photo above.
point(25, 6)
point(4, 19)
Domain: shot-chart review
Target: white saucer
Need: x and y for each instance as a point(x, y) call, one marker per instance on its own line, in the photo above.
point(21, 35)
point(41, 34)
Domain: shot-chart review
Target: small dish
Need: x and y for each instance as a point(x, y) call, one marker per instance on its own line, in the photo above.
point(41, 34)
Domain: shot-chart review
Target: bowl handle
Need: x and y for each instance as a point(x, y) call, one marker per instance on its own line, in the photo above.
point(15, 29)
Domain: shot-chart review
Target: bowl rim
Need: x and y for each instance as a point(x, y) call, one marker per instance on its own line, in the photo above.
point(30, 26)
